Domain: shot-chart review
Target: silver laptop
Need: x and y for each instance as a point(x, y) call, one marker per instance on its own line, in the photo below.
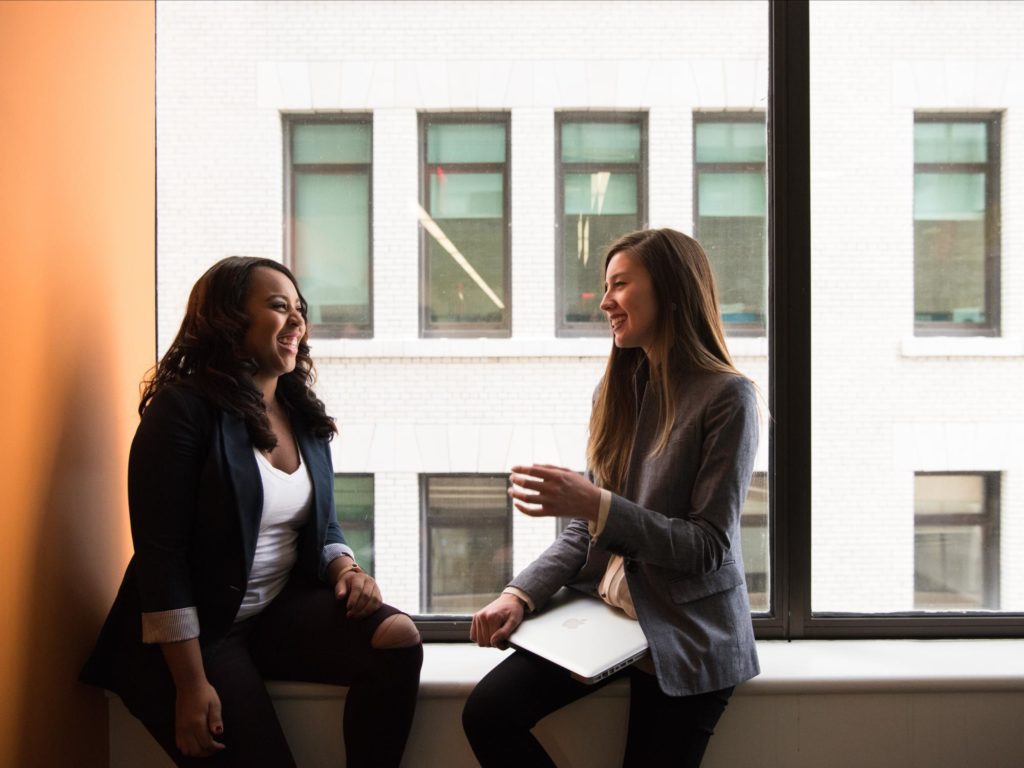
point(583, 634)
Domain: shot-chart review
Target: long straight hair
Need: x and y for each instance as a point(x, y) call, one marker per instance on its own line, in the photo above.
point(688, 337)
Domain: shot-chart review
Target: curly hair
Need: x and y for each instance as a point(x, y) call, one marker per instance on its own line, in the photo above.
point(207, 354)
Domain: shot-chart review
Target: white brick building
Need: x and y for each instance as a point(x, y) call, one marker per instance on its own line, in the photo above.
point(886, 403)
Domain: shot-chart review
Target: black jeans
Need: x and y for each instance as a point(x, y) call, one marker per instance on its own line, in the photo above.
point(515, 695)
point(304, 636)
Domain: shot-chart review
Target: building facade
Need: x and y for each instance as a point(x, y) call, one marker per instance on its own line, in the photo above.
point(442, 176)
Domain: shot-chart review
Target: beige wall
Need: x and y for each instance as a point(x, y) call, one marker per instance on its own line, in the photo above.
point(77, 242)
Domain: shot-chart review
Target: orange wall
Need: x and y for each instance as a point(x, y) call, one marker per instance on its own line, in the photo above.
point(77, 230)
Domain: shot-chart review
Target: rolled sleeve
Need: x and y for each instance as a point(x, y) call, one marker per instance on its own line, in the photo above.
point(602, 515)
point(170, 626)
point(332, 552)
point(517, 592)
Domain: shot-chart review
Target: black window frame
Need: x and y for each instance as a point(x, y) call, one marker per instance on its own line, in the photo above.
point(502, 329)
point(322, 330)
point(757, 330)
point(565, 328)
point(992, 170)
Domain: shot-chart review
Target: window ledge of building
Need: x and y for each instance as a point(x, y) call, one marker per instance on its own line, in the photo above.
point(962, 346)
point(796, 667)
point(519, 346)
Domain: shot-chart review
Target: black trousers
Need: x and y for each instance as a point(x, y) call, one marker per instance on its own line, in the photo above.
point(303, 635)
point(515, 695)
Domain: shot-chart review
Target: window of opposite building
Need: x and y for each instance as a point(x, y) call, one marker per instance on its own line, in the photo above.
point(754, 543)
point(467, 541)
point(328, 221)
point(956, 224)
point(730, 213)
point(464, 217)
point(353, 500)
point(956, 541)
point(601, 162)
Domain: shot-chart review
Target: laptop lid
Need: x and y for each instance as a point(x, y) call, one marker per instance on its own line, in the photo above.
point(583, 634)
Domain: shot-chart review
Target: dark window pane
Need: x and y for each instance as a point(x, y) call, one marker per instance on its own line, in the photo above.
point(954, 547)
point(754, 540)
point(469, 547)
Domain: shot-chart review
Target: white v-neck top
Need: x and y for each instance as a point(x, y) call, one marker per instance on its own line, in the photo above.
point(287, 500)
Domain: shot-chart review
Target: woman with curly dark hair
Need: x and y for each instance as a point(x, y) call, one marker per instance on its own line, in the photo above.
point(241, 572)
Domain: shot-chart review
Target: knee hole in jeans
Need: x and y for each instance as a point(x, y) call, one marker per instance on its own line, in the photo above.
point(397, 631)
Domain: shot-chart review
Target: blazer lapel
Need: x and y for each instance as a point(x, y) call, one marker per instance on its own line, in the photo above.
point(320, 474)
point(244, 476)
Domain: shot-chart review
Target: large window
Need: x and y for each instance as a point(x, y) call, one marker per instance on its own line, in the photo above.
point(731, 214)
point(464, 216)
point(329, 222)
point(602, 192)
point(956, 541)
point(353, 502)
point(956, 224)
point(467, 541)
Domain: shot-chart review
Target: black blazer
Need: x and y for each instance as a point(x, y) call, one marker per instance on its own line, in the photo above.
point(195, 499)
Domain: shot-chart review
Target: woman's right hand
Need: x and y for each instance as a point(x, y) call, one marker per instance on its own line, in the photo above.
point(494, 623)
point(197, 720)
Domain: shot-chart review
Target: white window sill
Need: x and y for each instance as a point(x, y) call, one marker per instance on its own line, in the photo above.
point(962, 346)
point(802, 666)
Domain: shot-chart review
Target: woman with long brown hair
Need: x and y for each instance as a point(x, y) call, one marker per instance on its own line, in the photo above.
point(656, 522)
point(241, 572)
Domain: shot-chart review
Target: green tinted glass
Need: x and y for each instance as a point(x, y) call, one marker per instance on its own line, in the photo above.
point(600, 143)
point(353, 502)
point(730, 142)
point(466, 143)
point(950, 142)
point(332, 245)
point(601, 193)
point(331, 143)
point(731, 194)
point(949, 196)
point(466, 195)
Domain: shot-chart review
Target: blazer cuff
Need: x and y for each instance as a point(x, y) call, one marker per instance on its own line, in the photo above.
point(602, 515)
point(333, 552)
point(170, 626)
point(517, 592)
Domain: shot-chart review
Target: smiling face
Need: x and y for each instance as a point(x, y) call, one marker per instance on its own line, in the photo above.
point(629, 302)
point(276, 325)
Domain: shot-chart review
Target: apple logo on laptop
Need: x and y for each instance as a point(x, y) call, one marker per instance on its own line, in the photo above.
point(573, 623)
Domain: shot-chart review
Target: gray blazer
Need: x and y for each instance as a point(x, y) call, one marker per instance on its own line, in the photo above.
point(677, 524)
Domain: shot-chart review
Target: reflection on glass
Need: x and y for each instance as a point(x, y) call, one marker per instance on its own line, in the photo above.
point(469, 546)
point(601, 165)
point(465, 199)
point(731, 217)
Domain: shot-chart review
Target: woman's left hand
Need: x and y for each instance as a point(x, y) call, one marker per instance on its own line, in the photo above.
point(544, 490)
point(362, 593)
